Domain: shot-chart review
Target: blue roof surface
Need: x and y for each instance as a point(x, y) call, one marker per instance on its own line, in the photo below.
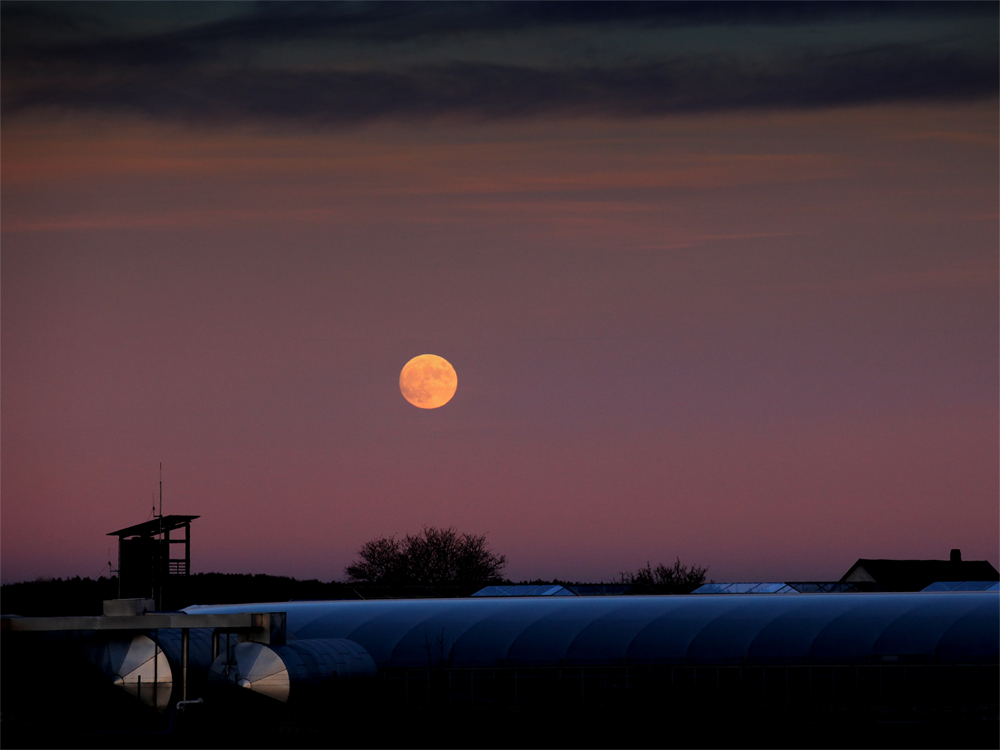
point(647, 630)
point(964, 586)
point(791, 587)
point(745, 588)
point(554, 589)
point(547, 589)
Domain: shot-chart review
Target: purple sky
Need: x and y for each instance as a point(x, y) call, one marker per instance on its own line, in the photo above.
point(719, 282)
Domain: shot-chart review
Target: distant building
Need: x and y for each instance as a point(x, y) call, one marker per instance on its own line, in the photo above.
point(916, 575)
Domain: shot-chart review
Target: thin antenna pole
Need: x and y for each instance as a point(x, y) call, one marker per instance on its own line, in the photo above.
point(158, 590)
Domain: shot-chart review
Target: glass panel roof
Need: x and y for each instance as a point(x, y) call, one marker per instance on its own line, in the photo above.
point(803, 587)
point(964, 586)
point(546, 589)
point(752, 587)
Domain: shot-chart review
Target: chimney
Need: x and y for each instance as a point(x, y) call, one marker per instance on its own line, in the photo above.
point(956, 555)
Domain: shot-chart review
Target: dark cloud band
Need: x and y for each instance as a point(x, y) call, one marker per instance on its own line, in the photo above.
point(57, 57)
point(491, 91)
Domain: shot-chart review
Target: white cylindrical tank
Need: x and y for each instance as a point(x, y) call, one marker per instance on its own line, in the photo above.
point(284, 672)
point(138, 665)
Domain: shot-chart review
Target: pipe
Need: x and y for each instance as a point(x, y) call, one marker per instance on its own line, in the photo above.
point(181, 705)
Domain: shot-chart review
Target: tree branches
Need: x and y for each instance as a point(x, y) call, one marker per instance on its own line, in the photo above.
point(677, 579)
point(434, 556)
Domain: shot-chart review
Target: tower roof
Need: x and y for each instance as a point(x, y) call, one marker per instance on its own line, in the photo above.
point(154, 527)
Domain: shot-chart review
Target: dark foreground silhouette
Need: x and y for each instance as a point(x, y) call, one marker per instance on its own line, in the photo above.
point(53, 697)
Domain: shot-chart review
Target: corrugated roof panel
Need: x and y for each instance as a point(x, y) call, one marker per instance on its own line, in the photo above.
point(667, 637)
point(792, 633)
point(728, 637)
point(973, 634)
point(388, 627)
point(487, 641)
point(551, 636)
point(852, 635)
point(435, 639)
point(606, 639)
point(920, 629)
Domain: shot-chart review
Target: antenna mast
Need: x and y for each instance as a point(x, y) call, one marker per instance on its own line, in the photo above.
point(158, 571)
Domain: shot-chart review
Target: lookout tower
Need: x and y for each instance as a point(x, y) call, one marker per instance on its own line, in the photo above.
point(146, 563)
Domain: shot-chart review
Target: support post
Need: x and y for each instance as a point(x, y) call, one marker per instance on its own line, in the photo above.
point(164, 571)
point(185, 642)
point(156, 664)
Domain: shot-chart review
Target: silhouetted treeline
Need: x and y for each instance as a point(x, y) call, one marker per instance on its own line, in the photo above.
point(676, 579)
point(234, 588)
point(56, 597)
point(85, 596)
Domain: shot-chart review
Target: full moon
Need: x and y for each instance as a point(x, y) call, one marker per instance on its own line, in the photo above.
point(428, 381)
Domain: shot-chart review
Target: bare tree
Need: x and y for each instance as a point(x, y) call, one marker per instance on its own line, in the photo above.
point(432, 557)
point(677, 579)
point(382, 561)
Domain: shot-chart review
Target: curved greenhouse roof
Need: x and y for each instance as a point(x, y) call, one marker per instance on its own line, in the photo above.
point(652, 630)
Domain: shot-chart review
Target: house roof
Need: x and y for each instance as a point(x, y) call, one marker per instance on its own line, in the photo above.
point(914, 575)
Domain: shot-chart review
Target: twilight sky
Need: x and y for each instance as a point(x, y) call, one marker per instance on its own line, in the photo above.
point(720, 282)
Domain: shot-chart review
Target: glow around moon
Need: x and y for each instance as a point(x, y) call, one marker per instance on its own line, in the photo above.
point(428, 381)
